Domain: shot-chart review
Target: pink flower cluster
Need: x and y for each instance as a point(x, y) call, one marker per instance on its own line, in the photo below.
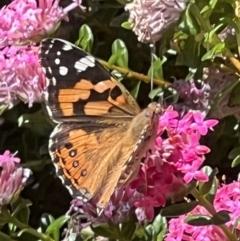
point(23, 22)
point(174, 163)
point(21, 76)
point(176, 160)
point(227, 198)
point(12, 177)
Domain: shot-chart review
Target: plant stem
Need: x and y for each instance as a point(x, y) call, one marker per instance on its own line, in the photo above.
point(209, 207)
point(129, 73)
point(30, 230)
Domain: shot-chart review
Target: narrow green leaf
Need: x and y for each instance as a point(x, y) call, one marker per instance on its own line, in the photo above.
point(128, 228)
point(120, 47)
point(234, 152)
point(199, 220)
point(176, 210)
point(115, 56)
point(205, 187)
point(155, 92)
point(218, 48)
point(5, 237)
point(57, 224)
point(127, 25)
point(212, 192)
point(155, 70)
point(236, 161)
point(105, 230)
point(134, 92)
point(85, 38)
point(160, 226)
point(221, 217)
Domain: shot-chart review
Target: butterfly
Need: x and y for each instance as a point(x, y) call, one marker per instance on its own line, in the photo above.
point(102, 134)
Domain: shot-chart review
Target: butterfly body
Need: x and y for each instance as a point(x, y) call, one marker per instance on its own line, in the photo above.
point(101, 134)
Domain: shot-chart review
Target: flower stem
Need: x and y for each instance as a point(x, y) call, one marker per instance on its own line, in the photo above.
point(209, 207)
point(129, 73)
point(24, 227)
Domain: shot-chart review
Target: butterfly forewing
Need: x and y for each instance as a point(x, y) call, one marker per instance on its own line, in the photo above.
point(77, 85)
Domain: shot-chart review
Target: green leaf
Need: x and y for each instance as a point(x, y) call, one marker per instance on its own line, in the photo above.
point(176, 210)
point(155, 92)
point(236, 161)
point(134, 92)
point(199, 220)
point(127, 25)
point(234, 99)
point(119, 50)
point(128, 228)
point(160, 226)
point(114, 57)
point(205, 187)
point(218, 48)
point(155, 70)
point(189, 25)
point(45, 220)
point(21, 210)
point(36, 122)
point(191, 53)
point(85, 38)
point(212, 192)
point(106, 230)
point(87, 233)
point(221, 217)
point(208, 9)
point(234, 152)
point(150, 233)
point(5, 237)
point(54, 227)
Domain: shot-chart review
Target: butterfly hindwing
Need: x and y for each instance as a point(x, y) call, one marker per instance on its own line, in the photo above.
point(93, 158)
point(78, 85)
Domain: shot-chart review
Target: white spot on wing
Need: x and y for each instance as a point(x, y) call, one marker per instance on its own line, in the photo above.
point(50, 70)
point(67, 47)
point(83, 63)
point(79, 66)
point(57, 61)
point(88, 60)
point(58, 53)
point(54, 81)
point(63, 70)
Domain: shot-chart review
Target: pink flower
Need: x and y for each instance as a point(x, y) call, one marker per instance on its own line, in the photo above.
point(151, 17)
point(21, 76)
point(12, 177)
point(202, 126)
point(227, 198)
point(23, 20)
